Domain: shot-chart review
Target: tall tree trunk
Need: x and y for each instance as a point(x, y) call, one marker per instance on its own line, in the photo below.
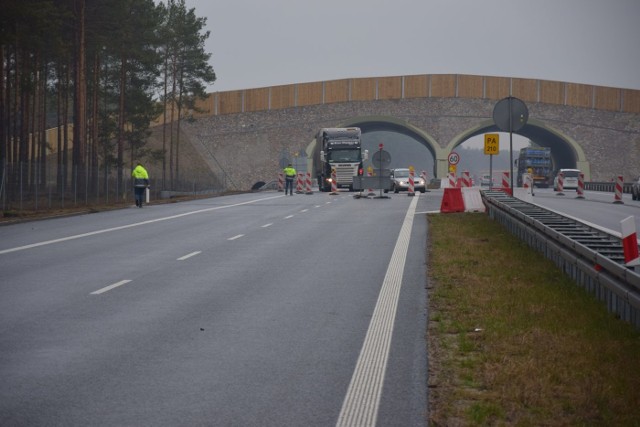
point(121, 118)
point(164, 122)
point(80, 100)
point(65, 130)
point(94, 123)
point(173, 96)
point(4, 121)
point(43, 129)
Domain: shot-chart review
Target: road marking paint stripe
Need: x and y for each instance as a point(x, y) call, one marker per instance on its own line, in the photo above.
point(304, 210)
point(267, 225)
point(361, 403)
point(108, 288)
point(236, 237)
point(124, 227)
point(287, 217)
point(182, 258)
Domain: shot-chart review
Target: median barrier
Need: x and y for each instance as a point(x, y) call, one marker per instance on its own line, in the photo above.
point(452, 200)
point(472, 200)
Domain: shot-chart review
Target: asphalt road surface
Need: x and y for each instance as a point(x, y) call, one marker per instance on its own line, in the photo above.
point(246, 310)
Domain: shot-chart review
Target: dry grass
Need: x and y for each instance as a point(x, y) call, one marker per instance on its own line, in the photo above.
point(512, 341)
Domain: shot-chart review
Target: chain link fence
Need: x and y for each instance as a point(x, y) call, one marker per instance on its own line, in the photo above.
point(30, 187)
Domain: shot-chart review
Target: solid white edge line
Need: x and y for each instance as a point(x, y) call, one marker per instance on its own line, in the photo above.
point(187, 256)
point(361, 403)
point(108, 288)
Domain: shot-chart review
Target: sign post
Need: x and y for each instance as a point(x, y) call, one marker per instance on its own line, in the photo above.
point(510, 115)
point(453, 158)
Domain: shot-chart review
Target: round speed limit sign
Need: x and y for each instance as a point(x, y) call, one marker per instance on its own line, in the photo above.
point(453, 158)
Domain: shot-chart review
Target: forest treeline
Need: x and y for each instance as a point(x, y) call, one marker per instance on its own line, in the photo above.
point(99, 71)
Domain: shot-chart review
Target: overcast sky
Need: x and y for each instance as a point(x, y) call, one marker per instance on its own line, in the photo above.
point(259, 43)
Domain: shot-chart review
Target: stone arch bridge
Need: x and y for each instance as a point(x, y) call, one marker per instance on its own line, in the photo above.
point(242, 133)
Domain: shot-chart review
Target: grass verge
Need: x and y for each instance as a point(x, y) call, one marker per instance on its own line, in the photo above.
point(513, 341)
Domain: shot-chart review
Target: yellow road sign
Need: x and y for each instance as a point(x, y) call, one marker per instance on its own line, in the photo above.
point(491, 143)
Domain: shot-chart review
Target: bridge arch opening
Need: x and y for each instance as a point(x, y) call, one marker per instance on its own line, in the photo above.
point(565, 152)
point(407, 144)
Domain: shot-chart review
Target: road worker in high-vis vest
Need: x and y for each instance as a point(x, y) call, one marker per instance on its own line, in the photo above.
point(289, 176)
point(140, 183)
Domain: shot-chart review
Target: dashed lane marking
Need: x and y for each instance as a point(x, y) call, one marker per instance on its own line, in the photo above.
point(108, 288)
point(182, 258)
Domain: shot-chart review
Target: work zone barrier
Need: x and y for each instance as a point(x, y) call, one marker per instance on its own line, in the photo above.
point(580, 189)
point(299, 183)
point(461, 200)
point(308, 184)
point(280, 181)
point(466, 179)
point(618, 190)
point(334, 183)
point(412, 185)
point(560, 184)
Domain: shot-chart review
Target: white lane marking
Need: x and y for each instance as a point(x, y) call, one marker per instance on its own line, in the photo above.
point(267, 225)
point(317, 206)
point(123, 227)
point(236, 237)
point(290, 216)
point(304, 210)
point(108, 288)
point(187, 256)
point(360, 406)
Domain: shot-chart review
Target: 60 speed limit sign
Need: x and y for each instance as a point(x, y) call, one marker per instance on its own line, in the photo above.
point(453, 158)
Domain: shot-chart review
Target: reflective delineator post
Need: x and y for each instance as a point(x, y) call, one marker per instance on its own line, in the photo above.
point(280, 181)
point(580, 188)
point(299, 183)
point(618, 190)
point(560, 184)
point(527, 183)
point(505, 183)
point(466, 179)
point(412, 184)
point(308, 183)
point(452, 180)
point(630, 241)
point(334, 183)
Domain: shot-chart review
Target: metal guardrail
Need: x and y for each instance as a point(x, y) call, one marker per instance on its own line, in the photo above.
point(593, 258)
point(607, 186)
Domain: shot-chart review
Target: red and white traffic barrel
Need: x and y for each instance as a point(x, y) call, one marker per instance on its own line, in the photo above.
point(560, 185)
point(580, 188)
point(630, 241)
point(618, 190)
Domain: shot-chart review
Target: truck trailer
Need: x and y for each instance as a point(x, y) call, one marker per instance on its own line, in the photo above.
point(339, 149)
